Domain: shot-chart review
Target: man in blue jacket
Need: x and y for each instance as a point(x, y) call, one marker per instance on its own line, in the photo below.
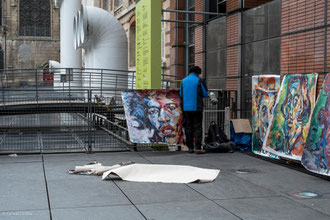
point(192, 92)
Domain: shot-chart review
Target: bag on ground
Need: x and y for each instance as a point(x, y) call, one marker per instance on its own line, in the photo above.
point(217, 141)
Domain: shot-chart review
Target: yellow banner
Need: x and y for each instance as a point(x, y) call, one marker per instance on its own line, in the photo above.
point(148, 44)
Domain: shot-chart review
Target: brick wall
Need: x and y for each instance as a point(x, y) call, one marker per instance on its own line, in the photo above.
point(232, 58)
point(301, 15)
point(303, 52)
point(199, 52)
point(232, 5)
point(177, 65)
point(232, 30)
point(303, 43)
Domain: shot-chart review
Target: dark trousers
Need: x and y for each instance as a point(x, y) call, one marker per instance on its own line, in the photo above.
point(193, 125)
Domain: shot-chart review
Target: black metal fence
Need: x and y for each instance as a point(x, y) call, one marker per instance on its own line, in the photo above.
point(73, 110)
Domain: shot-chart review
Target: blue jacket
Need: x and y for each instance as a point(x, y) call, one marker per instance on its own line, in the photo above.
point(192, 92)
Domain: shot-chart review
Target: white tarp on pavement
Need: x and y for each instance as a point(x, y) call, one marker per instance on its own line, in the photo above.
point(163, 173)
point(131, 171)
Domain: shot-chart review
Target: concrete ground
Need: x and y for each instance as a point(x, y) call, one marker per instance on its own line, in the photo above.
point(38, 187)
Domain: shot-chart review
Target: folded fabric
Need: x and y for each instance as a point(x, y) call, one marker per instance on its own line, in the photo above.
point(95, 168)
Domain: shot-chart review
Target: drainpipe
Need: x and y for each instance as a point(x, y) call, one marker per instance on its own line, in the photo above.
point(176, 44)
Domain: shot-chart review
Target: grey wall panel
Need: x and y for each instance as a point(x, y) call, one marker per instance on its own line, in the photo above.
point(262, 22)
point(262, 57)
point(216, 34)
point(216, 83)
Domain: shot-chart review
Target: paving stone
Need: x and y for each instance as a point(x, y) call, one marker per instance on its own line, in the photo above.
point(127, 212)
point(185, 210)
point(270, 208)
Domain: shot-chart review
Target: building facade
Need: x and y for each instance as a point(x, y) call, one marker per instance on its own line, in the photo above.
point(240, 39)
point(245, 38)
point(29, 33)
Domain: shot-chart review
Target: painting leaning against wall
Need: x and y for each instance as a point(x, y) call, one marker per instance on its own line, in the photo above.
point(153, 116)
point(287, 132)
point(316, 155)
point(264, 92)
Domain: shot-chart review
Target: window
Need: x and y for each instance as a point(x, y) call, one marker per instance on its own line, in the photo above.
point(221, 6)
point(34, 18)
point(217, 6)
point(117, 4)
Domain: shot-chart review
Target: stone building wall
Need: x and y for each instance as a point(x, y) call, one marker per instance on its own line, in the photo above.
point(26, 51)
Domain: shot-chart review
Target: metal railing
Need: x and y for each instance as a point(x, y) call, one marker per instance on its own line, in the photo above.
point(65, 110)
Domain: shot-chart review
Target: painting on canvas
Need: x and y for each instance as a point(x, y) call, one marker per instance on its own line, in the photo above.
point(290, 122)
point(153, 116)
point(264, 93)
point(316, 155)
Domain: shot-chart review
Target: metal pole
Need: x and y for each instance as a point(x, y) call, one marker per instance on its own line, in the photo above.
point(192, 12)
point(227, 122)
point(101, 81)
point(36, 79)
point(181, 21)
point(89, 113)
point(176, 43)
point(2, 88)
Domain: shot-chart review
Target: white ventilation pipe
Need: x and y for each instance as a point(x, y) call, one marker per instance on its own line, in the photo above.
point(104, 40)
point(69, 56)
point(53, 65)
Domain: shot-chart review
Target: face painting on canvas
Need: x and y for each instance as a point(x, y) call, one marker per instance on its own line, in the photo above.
point(153, 116)
point(287, 133)
point(264, 93)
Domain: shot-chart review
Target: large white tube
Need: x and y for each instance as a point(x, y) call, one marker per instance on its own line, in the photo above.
point(104, 40)
point(70, 58)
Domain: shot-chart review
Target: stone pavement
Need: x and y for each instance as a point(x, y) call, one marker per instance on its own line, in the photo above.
point(38, 187)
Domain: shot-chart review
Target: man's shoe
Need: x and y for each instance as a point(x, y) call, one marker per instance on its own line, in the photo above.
point(191, 151)
point(200, 151)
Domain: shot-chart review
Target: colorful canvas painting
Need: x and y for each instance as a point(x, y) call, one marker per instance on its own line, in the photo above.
point(287, 132)
point(316, 155)
point(264, 93)
point(153, 116)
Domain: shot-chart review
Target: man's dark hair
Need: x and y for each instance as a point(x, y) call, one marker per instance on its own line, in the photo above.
point(195, 69)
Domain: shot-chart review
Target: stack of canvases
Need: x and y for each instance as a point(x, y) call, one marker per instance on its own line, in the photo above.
point(287, 123)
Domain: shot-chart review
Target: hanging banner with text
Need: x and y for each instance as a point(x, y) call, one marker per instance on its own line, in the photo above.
point(148, 44)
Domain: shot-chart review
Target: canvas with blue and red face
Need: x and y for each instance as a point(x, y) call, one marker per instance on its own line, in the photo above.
point(153, 116)
point(316, 155)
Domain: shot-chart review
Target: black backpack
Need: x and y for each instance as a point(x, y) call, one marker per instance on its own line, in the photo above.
point(217, 141)
point(215, 134)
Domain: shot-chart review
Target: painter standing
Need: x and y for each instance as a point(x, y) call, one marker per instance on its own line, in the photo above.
point(192, 91)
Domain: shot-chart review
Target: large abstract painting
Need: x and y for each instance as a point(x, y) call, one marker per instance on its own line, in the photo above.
point(316, 155)
point(153, 116)
point(264, 93)
point(287, 132)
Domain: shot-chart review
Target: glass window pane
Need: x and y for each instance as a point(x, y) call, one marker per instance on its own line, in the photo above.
point(34, 18)
point(191, 3)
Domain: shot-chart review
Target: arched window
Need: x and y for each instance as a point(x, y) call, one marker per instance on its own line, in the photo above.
point(34, 18)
